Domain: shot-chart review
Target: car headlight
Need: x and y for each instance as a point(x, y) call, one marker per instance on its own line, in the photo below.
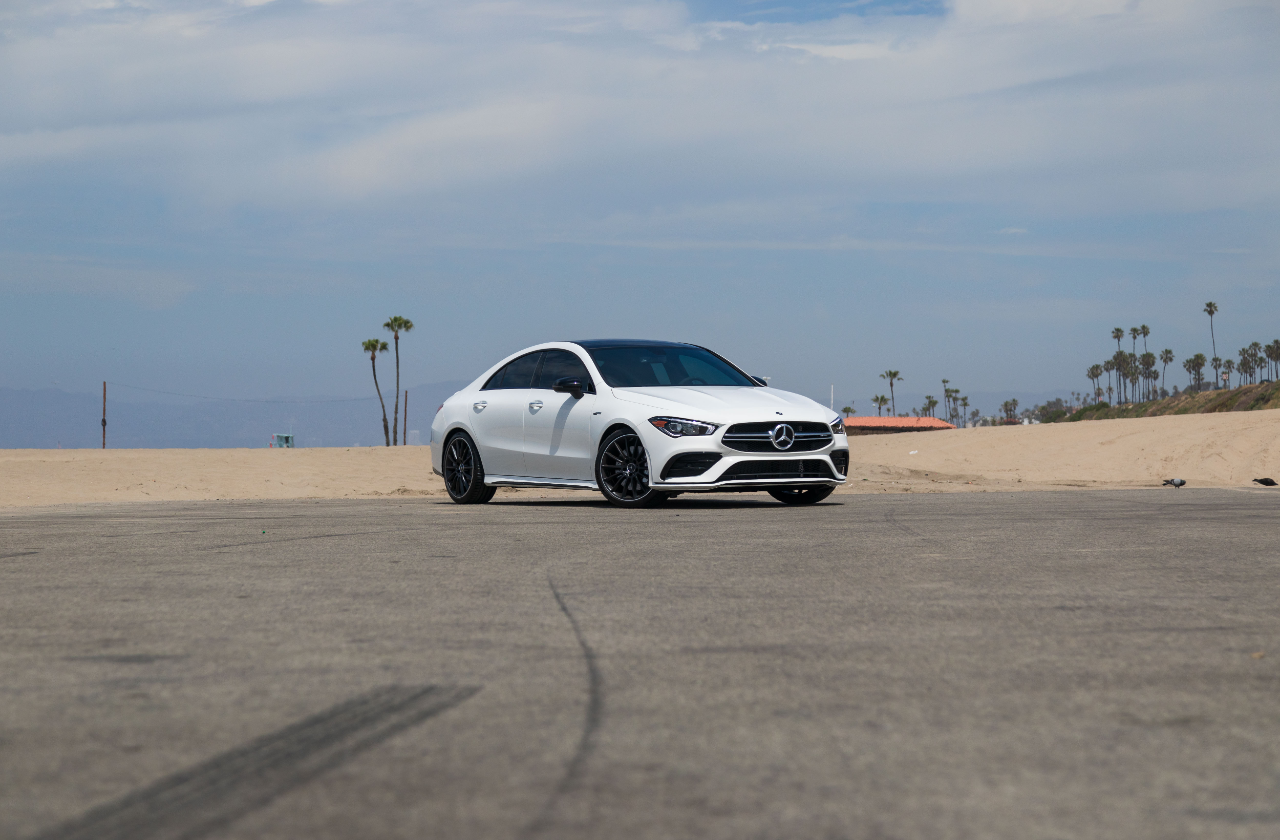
point(679, 427)
point(837, 427)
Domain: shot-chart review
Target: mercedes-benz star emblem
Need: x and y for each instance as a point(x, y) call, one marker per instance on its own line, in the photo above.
point(782, 436)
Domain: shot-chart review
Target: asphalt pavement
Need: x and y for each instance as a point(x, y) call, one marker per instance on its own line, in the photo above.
point(1016, 665)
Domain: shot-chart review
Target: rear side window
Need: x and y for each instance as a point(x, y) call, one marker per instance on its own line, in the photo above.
point(561, 364)
point(516, 374)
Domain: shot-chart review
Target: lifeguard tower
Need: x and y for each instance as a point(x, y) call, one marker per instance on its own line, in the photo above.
point(281, 442)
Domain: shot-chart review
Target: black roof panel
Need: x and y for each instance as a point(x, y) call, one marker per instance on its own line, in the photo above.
point(601, 343)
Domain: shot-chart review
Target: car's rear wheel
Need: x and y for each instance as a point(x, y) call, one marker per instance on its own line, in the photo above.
point(622, 471)
point(464, 472)
point(801, 496)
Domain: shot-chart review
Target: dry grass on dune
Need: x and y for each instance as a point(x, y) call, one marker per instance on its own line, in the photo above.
point(1208, 450)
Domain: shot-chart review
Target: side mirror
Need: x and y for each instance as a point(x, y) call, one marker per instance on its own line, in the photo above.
point(569, 385)
point(760, 381)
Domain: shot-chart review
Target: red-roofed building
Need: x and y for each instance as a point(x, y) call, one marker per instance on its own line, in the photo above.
point(893, 425)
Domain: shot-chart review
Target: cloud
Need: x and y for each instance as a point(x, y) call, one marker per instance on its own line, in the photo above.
point(595, 110)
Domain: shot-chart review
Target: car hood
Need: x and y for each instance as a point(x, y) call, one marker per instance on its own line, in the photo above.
point(727, 404)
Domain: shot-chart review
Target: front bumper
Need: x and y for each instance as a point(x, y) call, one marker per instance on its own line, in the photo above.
point(738, 470)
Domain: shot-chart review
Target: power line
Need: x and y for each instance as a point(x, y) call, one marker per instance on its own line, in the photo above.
point(237, 399)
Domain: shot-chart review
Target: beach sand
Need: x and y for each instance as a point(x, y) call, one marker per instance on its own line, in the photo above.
point(1208, 450)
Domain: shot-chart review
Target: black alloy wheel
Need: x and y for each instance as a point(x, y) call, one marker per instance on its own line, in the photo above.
point(806, 496)
point(622, 471)
point(464, 473)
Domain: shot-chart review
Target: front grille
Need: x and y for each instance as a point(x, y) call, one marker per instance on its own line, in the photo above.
point(841, 459)
point(749, 470)
point(754, 437)
point(689, 464)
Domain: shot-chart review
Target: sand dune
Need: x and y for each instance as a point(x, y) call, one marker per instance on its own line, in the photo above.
point(1208, 450)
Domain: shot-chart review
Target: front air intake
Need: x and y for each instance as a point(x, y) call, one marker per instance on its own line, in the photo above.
point(754, 470)
point(689, 464)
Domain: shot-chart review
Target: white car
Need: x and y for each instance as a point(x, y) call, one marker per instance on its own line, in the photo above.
point(640, 421)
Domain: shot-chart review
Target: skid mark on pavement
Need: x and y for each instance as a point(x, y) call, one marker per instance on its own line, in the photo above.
point(590, 724)
point(204, 798)
point(892, 520)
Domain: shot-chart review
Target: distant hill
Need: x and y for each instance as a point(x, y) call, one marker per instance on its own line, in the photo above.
point(1243, 398)
point(46, 419)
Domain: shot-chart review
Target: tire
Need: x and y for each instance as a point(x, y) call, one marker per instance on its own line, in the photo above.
point(809, 496)
point(464, 471)
point(622, 472)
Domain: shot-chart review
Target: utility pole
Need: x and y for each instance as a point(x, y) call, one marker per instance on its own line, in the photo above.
point(104, 415)
point(406, 414)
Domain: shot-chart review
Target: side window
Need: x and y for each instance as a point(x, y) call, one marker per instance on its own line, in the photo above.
point(519, 374)
point(495, 382)
point(561, 364)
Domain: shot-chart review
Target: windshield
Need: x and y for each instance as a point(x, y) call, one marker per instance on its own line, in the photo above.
point(675, 365)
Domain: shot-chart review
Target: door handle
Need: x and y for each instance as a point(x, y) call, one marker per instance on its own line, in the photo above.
point(535, 405)
point(479, 405)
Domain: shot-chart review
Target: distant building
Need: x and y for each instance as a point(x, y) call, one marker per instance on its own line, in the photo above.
point(893, 425)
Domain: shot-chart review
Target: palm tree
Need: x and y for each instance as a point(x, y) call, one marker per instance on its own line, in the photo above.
point(1118, 335)
point(964, 408)
point(1227, 367)
point(1189, 365)
point(929, 405)
point(396, 325)
point(879, 401)
point(1135, 332)
point(1148, 362)
point(1211, 309)
point(1166, 358)
point(1255, 356)
point(1095, 375)
point(1198, 362)
point(848, 409)
point(892, 375)
point(1216, 364)
point(1273, 355)
point(1122, 374)
point(1107, 367)
point(373, 347)
point(1246, 365)
point(1145, 331)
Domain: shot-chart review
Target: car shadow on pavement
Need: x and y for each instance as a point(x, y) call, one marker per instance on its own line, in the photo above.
point(682, 503)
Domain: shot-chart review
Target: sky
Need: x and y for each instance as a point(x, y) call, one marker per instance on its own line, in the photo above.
point(227, 198)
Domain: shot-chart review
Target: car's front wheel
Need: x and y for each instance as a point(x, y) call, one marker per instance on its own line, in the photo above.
point(622, 471)
point(805, 496)
point(464, 472)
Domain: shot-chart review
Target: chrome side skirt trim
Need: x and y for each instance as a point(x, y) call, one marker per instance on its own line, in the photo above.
point(552, 483)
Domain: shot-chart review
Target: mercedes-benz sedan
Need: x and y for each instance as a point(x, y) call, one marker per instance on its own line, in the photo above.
point(640, 421)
